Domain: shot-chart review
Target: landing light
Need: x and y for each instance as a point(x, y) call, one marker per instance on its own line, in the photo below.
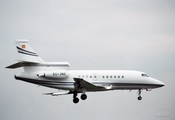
point(108, 87)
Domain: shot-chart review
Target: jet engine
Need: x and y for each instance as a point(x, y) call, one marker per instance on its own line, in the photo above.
point(58, 74)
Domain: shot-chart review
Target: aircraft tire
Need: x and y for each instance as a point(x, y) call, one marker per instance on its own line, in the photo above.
point(83, 96)
point(139, 98)
point(75, 100)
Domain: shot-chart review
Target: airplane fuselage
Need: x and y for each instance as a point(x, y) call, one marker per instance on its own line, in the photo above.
point(111, 79)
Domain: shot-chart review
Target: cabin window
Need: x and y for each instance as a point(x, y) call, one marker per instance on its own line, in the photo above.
point(103, 76)
point(87, 76)
point(114, 76)
point(111, 76)
point(106, 76)
point(82, 76)
point(119, 76)
point(90, 76)
point(122, 76)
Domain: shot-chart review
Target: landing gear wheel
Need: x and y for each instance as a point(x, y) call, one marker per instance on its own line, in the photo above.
point(75, 100)
point(139, 98)
point(83, 96)
point(139, 93)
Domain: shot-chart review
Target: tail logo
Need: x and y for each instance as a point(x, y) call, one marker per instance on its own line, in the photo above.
point(23, 46)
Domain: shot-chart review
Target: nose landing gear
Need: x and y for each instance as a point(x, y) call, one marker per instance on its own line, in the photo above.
point(139, 93)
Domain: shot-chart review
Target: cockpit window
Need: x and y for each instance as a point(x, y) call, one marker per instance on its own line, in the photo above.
point(144, 75)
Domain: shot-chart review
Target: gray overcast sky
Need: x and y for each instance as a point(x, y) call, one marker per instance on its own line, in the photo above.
point(90, 34)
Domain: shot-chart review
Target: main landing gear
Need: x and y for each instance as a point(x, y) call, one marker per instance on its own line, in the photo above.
point(76, 100)
point(139, 93)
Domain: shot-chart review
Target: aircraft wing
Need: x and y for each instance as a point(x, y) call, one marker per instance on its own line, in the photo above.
point(81, 83)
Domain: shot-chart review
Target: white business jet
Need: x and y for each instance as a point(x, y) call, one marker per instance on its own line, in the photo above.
point(57, 75)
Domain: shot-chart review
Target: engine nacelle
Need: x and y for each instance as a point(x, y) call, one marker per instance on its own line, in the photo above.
point(59, 74)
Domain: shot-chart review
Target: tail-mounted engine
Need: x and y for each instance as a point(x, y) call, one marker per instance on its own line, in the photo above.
point(57, 74)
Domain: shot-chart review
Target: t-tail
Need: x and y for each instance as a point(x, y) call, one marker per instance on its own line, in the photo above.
point(31, 61)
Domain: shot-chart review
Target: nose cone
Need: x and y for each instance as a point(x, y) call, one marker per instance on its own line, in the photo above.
point(160, 84)
point(157, 83)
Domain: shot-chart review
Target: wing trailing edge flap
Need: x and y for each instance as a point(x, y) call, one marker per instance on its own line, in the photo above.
point(61, 92)
point(79, 82)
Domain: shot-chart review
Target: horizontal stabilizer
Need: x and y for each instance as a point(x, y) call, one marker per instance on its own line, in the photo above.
point(15, 65)
point(19, 64)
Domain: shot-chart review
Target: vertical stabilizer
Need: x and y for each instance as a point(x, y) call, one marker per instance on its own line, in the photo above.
point(26, 53)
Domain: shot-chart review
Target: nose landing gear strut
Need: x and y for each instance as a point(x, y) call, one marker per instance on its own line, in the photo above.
point(139, 93)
